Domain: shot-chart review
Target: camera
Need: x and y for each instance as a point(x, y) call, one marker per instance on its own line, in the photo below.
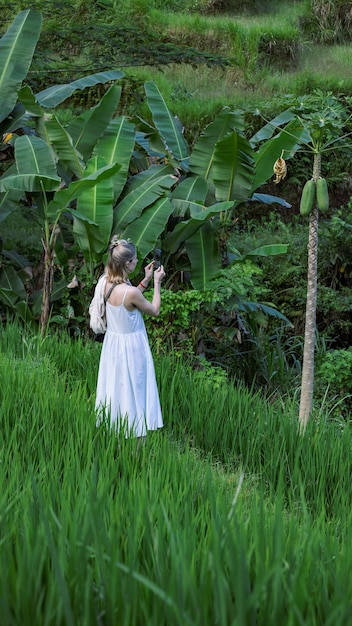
point(157, 258)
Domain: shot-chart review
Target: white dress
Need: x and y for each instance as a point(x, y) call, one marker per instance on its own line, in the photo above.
point(127, 394)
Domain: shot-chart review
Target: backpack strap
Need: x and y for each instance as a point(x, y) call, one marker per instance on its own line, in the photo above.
point(107, 296)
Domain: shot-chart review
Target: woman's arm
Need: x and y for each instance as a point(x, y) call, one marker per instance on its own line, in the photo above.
point(148, 273)
point(136, 298)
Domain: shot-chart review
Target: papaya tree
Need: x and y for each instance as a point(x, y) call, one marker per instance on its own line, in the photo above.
point(324, 120)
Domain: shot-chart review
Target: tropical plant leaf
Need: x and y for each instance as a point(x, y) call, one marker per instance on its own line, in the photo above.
point(148, 142)
point(203, 252)
point(17, 259)
point(140, 197)
point(233, 169)
point(35, 165)
point(167, 125)
point(65, 196)
point(286, 142)
point(247, 306)
point(95, 204)
point(34, 156)
point(13, 294)
point(268, 250)
point(8, 202)
point(11, 287)
point(28, 99)
point(16, 119)
point(29, 182)
point(185, 229)
point(146, 230)
point(265, 198)
point(16, 51)
point(203, 151)
point(87, 128)
point(53, 96)
point(188, 195)
point(154, 172)
point(193, 188)
point(69, 158)
point(269, 129)
point(116, 146)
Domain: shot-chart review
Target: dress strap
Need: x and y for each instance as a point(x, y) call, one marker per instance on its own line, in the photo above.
point(124, 296)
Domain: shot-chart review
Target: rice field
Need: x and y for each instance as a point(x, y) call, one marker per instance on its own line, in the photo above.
point(227, 517)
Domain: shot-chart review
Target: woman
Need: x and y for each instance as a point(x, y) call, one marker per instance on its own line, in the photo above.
point(127, 393)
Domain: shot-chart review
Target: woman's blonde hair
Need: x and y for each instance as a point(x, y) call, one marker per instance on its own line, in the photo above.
point(120, 252)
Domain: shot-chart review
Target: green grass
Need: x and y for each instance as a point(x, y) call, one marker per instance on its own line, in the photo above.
point(227, 516)
point(270, 56)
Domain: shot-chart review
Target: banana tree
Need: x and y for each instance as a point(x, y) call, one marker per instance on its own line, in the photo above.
point(216, 176)
point(46, 162)
point(37, 175)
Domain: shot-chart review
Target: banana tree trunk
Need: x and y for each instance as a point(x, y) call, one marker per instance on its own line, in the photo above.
point(307, 384)
point(48, 279)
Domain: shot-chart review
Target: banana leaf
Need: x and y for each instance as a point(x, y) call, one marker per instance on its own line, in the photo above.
point(141, 196)
point(13, 293)
point(153, 172)
point(16, 51)
point(268, 250)
point(203, 252)
point(233, 169)
point(193, 188)
point(34, 156)
point(95, 204)
point(8, 202)
point(53, 96)
point(117, 145)
point(28, 99)
point(64, 196)
point(35, 165)
point(167, 125)
point(287, 140)
point(265, 198)
point(203, 151)
point(269, 129)
point(87, 128)
point(146, 230)
point(69, 158)
point(14, 119)
point(29, 182)
point(150, 143)
point(185, 229)
point(247, 306)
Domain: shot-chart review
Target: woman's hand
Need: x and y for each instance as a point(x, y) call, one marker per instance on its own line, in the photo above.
point(159, 274)
point(148, 272)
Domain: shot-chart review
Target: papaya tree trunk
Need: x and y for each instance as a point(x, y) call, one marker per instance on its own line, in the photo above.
point(307, 384)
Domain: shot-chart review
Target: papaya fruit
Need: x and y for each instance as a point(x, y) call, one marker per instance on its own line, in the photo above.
point(307, 198)
point(322, 195)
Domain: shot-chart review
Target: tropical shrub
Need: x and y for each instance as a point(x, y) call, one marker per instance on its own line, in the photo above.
point(334, 382)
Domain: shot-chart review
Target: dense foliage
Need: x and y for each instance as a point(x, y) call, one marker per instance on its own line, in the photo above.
point(214, 330)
